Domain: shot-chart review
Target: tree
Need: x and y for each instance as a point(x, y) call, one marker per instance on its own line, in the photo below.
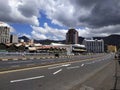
point(2, 46)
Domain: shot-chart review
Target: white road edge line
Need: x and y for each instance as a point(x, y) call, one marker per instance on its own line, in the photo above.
point(25, 79)
point(57, 71)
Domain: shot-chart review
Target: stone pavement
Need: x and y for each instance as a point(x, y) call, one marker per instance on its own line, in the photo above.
point(106, 79)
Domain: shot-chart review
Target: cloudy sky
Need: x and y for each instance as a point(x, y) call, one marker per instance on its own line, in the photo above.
point(51, 19)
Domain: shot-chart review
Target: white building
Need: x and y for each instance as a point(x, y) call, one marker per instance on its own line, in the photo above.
point(14, 38)
point(21, 41)
point(94, 46)
point(71, 48)
point(4, 33)
point(67, 47)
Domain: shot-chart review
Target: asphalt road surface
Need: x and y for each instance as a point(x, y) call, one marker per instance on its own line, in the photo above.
point(53, 77)
point(13, 64)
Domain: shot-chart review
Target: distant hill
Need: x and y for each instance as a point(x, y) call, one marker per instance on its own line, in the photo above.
point(80, 40)
point(109, 40)
point(44, 42)
point(47, 41)
point(112, 40)
point(26, 39)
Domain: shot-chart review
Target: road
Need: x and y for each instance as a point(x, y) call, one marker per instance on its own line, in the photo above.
point(53, 77)
point(28, 62)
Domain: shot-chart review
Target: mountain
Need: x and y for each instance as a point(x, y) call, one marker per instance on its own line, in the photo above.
point(26, 39)
point(80, 40)
point(108, 40)
point(47, 41)
point(111, 40)
point(44, 42)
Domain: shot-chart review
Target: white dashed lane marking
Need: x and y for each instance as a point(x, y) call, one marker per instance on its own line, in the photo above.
point(57, 71)
point(26, 79)
point(73, 67)
point(82, 65)
point(64, 65)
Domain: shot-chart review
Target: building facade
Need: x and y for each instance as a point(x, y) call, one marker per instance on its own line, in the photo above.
point(4, 34)
point(111, 48)
point(72, 37)
point(13, 38)
point(94, 46)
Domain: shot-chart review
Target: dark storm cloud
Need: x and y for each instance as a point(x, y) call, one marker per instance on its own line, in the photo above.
point(19, 11)
point(108, 29)
point(85, 3)
point(28, 9)
point(4, 7)
point(4, 10)
point(103, 13)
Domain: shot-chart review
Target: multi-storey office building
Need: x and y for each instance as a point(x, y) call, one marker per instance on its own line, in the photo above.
point(4, 34)
point(94, 46)
point(72, 37)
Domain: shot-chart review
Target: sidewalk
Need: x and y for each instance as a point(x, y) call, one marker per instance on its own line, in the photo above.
point(105, 79)
point(117, 76)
